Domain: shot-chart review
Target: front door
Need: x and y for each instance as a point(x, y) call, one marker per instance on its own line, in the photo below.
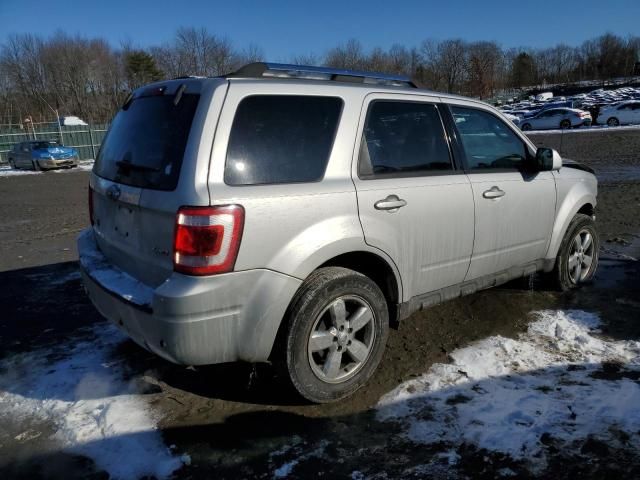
point(514, 209)
point(413, 203)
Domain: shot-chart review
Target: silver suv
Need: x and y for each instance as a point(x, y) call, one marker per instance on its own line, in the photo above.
point(292, 214)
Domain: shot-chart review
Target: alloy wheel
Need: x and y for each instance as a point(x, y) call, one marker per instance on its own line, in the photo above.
point(580, 257)
point(341, 339)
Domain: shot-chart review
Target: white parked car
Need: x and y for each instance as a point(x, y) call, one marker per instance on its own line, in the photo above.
point(514, 118)
point(556, 118)
point(620, 114)
point(72, 121)
point(544, 96)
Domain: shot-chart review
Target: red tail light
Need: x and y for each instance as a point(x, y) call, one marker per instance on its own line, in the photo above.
point(91, 204)
point(207, 239)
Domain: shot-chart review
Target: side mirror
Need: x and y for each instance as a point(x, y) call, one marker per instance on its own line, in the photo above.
point(548, 159)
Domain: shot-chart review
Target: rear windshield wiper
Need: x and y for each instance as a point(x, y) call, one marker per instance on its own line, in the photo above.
point(138, 168)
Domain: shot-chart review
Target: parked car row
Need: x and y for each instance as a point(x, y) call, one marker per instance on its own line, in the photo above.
point(42, 155)
point(544, 111)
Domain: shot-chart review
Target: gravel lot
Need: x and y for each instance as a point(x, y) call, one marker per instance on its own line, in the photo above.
point(81, 401)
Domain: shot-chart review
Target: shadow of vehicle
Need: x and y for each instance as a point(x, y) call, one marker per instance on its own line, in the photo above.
point(266, 443)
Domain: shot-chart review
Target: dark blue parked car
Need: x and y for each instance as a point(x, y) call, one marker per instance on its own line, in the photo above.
point(42, 155)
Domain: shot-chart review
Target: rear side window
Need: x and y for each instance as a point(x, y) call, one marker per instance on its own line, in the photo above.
point(146, 142)
point(488, 142)
point(403, 138)
point(281, 139)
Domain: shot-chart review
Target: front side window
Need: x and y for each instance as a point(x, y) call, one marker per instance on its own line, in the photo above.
point(487, 141)
point(281, 139)
point(403, 138)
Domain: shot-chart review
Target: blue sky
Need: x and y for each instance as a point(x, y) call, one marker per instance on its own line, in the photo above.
point(286, 28)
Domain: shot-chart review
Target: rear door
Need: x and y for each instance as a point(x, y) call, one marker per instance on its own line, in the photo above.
point(514, 209)
point(153, 160)
point(413, 203)
point(635, 113)
point(24, 156)
point(550, 119)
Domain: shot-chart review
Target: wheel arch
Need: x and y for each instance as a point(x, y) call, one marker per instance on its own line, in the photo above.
point(375, 265)
point(378, 269)
point(580, 200)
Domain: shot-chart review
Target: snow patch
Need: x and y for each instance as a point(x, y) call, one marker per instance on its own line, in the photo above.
point(96, 412)
point(286, 468)
point(591, 129)
point(7, 171)
point(111, 278)
point(503, 395)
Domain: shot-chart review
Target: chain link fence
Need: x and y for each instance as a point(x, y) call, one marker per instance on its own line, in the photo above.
point(86, 139)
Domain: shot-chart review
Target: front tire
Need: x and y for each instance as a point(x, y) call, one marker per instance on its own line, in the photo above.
point(577, 258)
point(36, 165)
point(338, 323)
point(526, 127)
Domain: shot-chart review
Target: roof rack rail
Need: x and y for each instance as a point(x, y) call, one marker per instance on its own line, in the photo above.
point(284, 70)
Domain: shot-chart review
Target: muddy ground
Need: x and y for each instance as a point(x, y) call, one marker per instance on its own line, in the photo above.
point(232, 418)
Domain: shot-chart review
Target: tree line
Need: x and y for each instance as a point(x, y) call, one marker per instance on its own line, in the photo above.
point(90, 78)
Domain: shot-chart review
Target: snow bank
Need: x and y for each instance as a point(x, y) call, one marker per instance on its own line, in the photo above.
point(591, 129)
point(7, 171)
point(503, 395)
point(96, 412)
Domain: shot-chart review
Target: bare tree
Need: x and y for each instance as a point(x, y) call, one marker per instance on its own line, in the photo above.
point(349, 55)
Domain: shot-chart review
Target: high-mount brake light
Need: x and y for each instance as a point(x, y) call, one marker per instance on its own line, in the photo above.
point(207, 239)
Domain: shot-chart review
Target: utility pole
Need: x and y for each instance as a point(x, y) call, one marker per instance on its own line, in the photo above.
point(54, 110)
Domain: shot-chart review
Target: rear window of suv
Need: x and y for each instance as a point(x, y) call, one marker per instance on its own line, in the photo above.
point(281, 139)
point(147, 140)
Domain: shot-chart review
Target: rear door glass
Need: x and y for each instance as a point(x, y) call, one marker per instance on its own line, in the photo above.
point(403, 138)
point(281, 139)
point(146, 142)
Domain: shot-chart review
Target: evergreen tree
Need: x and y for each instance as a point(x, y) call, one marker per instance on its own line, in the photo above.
point(140, 68)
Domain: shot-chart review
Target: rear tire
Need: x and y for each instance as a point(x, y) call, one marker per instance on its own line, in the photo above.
point(565, 124)
point(12, 164)
point(613, 122)
point(36, 165)
point(577, 259)
point(337, 328)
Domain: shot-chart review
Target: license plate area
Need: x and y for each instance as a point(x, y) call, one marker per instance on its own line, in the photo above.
point(123, 227)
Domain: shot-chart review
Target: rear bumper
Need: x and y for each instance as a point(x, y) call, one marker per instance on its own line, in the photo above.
point(191, 320)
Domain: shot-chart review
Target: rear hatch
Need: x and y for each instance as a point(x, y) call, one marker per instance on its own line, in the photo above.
point(151, 163)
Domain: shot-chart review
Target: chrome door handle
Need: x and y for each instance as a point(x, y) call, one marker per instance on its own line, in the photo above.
point(493, 192)
point(391, 203)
